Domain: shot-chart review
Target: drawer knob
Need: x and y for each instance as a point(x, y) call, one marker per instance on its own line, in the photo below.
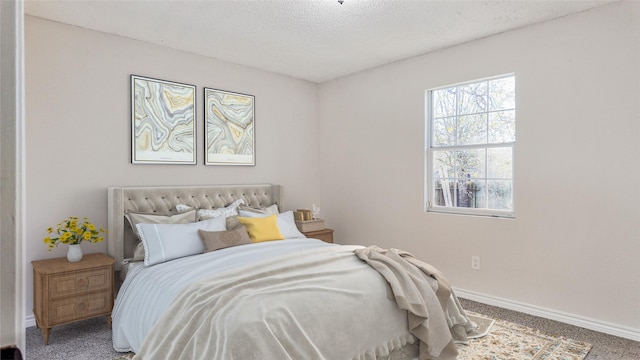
point(81, 283)
point(82, 306)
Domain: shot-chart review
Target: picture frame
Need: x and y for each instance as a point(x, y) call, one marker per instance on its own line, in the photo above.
point(229, 128)
point(163, 122)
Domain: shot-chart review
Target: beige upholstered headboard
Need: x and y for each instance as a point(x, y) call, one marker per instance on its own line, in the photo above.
point(162, 200)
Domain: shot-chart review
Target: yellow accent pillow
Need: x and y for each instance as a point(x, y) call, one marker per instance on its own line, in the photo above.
point(262, 229)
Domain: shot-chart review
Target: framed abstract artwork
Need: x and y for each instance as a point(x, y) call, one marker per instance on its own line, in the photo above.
point(163, 122)
point(229, 128)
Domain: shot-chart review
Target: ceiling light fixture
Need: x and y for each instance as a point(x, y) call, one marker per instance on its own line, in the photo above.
point(340, 1)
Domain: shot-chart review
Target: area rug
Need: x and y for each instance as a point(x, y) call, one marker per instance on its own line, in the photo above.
point(127, 356)
point(503, 340)
point(485, 324)
point(509, 341)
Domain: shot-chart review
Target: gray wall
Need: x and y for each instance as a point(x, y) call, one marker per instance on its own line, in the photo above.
point(574, 245)
point(78, 127)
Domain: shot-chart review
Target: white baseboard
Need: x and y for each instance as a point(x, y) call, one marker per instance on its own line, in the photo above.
point(567, 318)
point(30, 321)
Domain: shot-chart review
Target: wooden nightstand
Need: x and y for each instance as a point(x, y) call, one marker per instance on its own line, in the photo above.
point(325, 235)
point(64, 292)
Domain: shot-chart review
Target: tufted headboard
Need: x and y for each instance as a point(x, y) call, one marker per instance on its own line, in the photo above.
point(162, 200)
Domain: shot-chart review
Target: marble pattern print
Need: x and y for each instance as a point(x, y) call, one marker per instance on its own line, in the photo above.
point(163, 121)
point(229, 127)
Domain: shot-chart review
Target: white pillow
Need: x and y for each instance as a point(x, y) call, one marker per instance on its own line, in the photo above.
point(164, 242)
point(287, 225)
point(285, 222)
point(204, 214)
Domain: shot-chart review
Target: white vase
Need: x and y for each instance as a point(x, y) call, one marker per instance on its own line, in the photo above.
point(74, 253)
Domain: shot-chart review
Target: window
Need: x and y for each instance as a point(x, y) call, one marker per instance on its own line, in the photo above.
point(469, 147)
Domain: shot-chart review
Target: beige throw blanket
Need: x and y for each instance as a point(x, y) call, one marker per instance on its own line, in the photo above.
point(434, 313)
point(319, 304)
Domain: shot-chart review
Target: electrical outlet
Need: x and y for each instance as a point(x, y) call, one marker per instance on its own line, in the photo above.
point(475, 262)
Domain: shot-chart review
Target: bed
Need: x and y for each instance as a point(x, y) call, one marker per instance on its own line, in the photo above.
point(190, 295)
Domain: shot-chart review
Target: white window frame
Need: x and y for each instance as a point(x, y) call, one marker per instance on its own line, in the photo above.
point(429, 189)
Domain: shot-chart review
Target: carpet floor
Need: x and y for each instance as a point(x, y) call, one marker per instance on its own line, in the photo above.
point(91, 339)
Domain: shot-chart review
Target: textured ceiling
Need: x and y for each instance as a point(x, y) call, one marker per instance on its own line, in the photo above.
point(315, 40)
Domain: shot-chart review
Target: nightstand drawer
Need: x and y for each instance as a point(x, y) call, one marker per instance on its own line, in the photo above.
point(70, 309)
point(72, 283)
point(325, 235)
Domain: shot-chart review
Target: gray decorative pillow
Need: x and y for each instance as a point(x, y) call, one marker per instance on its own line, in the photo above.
point(138, 252)
point(216, 240)
point(233, 223)
point(144, 218)
point(247, 211)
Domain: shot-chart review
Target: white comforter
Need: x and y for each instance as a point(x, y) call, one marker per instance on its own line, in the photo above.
point(348, 302)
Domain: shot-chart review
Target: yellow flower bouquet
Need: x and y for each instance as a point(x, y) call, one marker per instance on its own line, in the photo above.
point(71, 232)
